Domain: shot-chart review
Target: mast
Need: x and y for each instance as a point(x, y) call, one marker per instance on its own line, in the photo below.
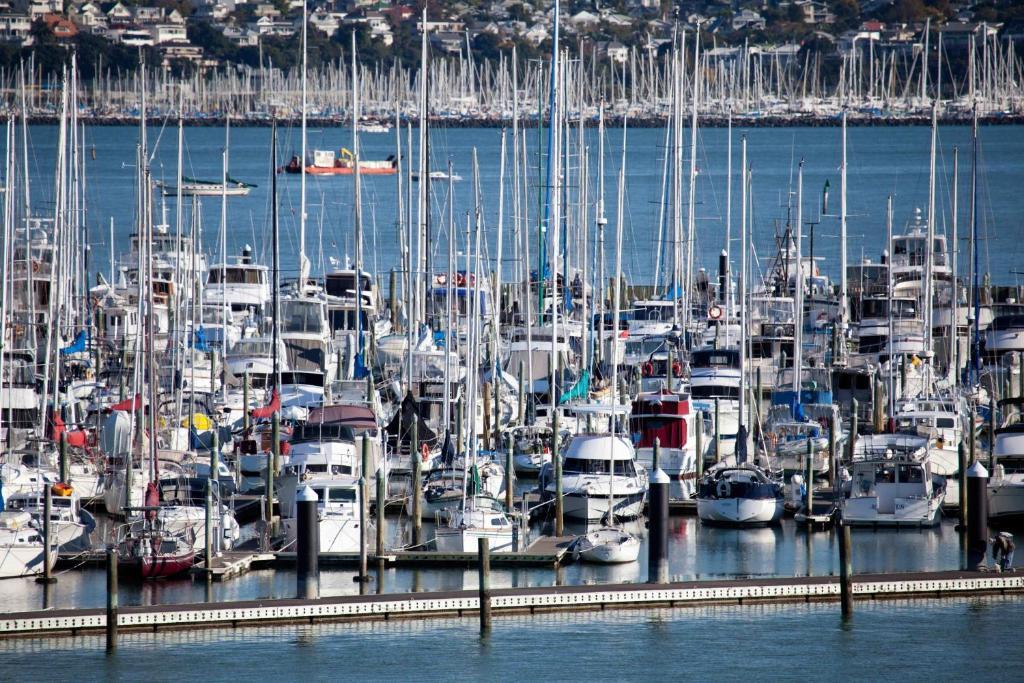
point(275, 237)
point(691, 217)
point(424, 171)
point(616, 308)
point(843, 300)
point(929, 251)
point(976, 291)
point(954, 366)
point(798, 331)
point(726, 296)
point(743, 275)
point(360, 361)
point(224, 253)
point(303, 261)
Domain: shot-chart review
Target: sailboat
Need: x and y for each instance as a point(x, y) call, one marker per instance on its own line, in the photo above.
point(192, 187)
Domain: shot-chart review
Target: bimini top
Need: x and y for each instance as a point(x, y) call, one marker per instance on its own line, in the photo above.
point(599, 447)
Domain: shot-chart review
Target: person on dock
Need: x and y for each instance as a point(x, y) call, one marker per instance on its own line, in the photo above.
point(1002, 551)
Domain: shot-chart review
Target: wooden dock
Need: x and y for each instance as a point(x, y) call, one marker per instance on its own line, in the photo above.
point(866, 587)
point(232, 563)
point(546, 551)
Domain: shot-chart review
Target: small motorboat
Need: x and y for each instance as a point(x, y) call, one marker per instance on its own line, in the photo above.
point(190, 187)
point(742, 495)
point(607, 545)
point(21, 545)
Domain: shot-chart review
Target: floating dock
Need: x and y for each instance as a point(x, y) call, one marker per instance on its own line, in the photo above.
point(546, 551)
point(65, 622)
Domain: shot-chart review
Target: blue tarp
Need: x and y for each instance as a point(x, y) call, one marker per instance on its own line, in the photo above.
point(77, 346)
point(580, 390)
point(199, 341)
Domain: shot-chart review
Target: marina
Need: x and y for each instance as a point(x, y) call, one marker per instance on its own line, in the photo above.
point(385, 371)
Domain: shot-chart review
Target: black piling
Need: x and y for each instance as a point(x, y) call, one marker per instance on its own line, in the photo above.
point(111, 599)
point(977, 515)
point(48, 540)
point(657, 511)
point(845, 569)
point(484, 552)
point(307, 544)
point(414, 462)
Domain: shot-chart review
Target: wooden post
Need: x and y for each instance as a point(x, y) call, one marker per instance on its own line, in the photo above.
point(245, 403)
point(962, 484)
point(510, 478)
point(272, 460)
point(557, 461)
point(381, 501)
point(65, 475)
point(111, 599)
point(414, 458)
point(809, 469)
point(364, 517)
point(851, 440)
point(48, 540)
point(991, 432)
point(718, 431)
point(484, 555)
point(845, 570)
point(833, 459)
point(208, 532)
point(698, 428)
point(487, 417)
point(522, 395)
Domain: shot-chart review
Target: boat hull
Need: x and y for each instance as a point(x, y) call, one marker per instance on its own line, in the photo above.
point(26, 560)
point(740, 511)
point(467, 540)
point(157, 566)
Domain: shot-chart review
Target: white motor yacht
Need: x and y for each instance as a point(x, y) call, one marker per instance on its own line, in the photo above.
point(892, 483)
point(599, 473)
point(1006, 487)
point(70, 524)
point(337, 512)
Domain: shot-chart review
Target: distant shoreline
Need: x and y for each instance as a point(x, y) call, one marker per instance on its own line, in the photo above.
point(795, 121)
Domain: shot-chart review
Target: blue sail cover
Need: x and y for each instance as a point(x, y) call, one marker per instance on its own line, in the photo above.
point(580, 390)
point(77, 346)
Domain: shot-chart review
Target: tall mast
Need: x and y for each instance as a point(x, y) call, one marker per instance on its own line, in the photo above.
point(275, 238)
point(842, 241)
point(743, 274)
point(424, 172)
point(954, 366)
point(976, 292)
point(303, 261)
point(929, 250)
point(798, 331)
point(358, 203)
point(691, 217)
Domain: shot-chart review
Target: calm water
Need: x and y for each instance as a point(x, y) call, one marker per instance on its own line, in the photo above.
point(901, 641)
point(882, 161)
point(695, 552)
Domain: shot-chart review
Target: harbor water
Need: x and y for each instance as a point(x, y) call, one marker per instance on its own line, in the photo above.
point(881, 161)
point(954, 640)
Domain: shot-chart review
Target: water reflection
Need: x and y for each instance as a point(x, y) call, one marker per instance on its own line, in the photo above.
point(695, 551)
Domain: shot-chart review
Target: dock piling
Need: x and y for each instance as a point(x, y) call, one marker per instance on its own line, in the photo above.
point(557, 462)
point(414, 458)
point(48, 540)
point(364, 517)
point(962, 484)
point(483, 549)
point(809, 470)
point(977, 519)
point(65, 475)
point(510, 477)
point(111, 599)
point(845, 569)
point(208, 531)
point(718, 431)
point(657, 510)
point(698, 428)
point(307, 544)
point(382, 497)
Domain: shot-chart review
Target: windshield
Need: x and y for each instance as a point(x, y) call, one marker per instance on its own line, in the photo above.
point(235, 276)
point(299, 317)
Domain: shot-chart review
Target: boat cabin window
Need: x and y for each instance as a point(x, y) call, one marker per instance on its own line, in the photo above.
point(945, 423)
point(498, 521)
point(338, 495)
point(251, 347)
point(719, 391)
point(312, 379)
point(321, 468)
point(715, 359)
point(343, 285)
point(654, 313)
point(885, 474)
point(346, 320)
point(644, 347)
point(307, 433)
point(1007, 322)
point(299, 317)
point(587, 466)
point(235, 276)
point(911, 474)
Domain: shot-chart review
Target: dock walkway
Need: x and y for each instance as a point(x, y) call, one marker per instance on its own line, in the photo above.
point(64, 622)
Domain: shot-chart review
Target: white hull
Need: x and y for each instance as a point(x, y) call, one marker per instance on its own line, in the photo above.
point(741, 511)
point(466, 540)
point(863, 511)
point(586, 507)
point(336, 535)
point(1006, 501)
point(25, 560)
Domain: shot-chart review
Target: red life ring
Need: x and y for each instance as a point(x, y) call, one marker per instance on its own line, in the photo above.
point(677, 369)
point(424, 452)
point(648, 369)
point(460, 280)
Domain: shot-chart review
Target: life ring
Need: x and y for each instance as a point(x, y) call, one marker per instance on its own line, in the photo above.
point(36, 266)
point(677, 368)
point(724, 488)
point(648, 369)
point(424, 452)
point(715, 313)
point(460, 280)
point(442, 279)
